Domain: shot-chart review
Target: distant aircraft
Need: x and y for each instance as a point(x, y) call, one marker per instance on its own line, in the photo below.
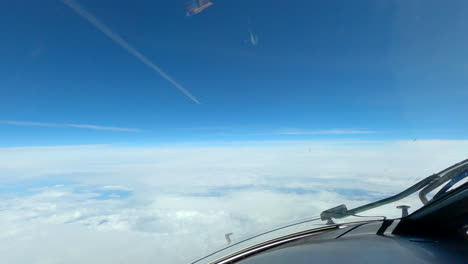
point(196, 6)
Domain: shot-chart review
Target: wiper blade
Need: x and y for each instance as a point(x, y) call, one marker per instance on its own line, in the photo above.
point(453, 174)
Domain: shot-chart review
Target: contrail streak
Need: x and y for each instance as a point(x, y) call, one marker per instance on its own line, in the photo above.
point(124, 44)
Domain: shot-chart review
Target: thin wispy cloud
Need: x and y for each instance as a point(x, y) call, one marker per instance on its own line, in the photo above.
point(123, 129)
point(323, 132)
point(124, 44)
point(302, 132)
point(208, 128)
point(82, 126)
point(285, 131)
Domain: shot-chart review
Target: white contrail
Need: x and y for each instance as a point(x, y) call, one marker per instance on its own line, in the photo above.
point(124, 44)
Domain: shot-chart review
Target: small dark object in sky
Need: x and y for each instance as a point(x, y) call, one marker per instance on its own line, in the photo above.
point(228, 238)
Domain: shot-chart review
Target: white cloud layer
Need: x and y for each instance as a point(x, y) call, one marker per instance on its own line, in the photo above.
point(108, 204)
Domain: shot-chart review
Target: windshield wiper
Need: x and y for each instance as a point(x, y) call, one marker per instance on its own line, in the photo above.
point(453, 174)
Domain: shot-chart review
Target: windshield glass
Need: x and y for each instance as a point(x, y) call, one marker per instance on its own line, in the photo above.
point(161, 131)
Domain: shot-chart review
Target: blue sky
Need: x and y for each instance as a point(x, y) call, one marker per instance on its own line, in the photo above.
point(367, 69)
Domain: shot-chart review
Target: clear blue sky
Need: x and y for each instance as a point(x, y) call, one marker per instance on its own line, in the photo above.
point(395, 68)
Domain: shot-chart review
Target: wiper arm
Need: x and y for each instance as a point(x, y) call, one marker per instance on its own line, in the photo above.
point(454, 172)
point(428, 184)
point(341, 211)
